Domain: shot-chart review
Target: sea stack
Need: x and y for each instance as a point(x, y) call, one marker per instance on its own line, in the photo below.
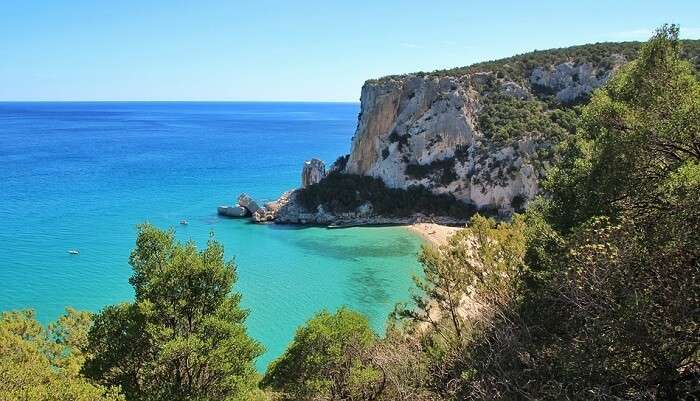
point(314, 171)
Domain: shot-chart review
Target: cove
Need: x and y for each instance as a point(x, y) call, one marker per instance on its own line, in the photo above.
point(83, 175)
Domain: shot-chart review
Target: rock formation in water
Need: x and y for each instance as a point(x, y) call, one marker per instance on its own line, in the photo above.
point(233, 211)
point(314, 171)
point(246, 201)
point(245, 207)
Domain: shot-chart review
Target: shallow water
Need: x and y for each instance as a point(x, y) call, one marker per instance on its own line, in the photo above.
point(82, 175)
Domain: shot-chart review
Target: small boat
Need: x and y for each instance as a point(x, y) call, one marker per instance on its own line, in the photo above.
point(74, 252)
point(184, 222)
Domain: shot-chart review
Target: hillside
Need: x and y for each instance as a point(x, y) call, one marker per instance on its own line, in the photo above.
point(484, 135)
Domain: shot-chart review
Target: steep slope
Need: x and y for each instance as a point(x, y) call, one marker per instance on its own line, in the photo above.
point(484, 134)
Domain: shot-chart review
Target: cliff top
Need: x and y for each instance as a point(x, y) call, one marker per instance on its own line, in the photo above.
point(519, 67)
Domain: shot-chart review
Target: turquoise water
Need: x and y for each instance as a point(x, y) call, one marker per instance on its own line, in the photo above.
point(82, 175)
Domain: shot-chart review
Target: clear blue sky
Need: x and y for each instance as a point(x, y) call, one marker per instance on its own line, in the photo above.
point(292, 50)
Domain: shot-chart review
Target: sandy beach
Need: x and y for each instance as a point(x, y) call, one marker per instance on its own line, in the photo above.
point(432, 233)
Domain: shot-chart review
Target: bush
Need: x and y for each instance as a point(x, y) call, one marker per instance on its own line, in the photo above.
point(442, 171)
point(327, 359)
point(340, 193)
point(505, 119)
point(340, 163)
point(402, 140)
point(42, 364)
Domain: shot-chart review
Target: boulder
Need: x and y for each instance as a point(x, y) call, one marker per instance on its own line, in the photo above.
point(232, 211)
point(244, 200)
point(314, 171)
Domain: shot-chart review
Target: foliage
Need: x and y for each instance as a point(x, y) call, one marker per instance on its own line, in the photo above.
point(609, 306)
point(518, 203)
point(327, 359)
point(637, 131)
point(340, 193)
point(479, 263)
point(183, 337)
point(519, 67)
point(443, 170)
point(505, 119)
point(340, 163)
point(593, 292)
point(38, 364)
point(402, 140)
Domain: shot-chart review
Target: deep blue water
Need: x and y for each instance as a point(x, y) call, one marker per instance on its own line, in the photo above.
point(82, 175)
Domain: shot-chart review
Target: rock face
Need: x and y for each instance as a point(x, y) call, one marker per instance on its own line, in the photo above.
point(428, 121)
point(570, 82)
point(485, 134)
point(314, 170)
point(244, 200)
point(232, 211)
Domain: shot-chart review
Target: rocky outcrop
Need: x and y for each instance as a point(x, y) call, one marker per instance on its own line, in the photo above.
point(409, 119)
point(484, 134)
point(232, 211)
point(245, 207)
point(313, 171)
point(570, 82)
point(246, 201)
point(422, 122)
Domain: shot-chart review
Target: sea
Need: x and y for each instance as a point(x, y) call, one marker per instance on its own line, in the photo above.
point(82, 175)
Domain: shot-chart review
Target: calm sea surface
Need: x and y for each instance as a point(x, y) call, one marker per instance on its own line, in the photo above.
point(82, 175)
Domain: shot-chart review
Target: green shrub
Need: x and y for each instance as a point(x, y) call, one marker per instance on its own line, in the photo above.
point(340, 193)
point(402, 140)
point(328, 357)
point(505, 119)
point(443, 171)
point(518, 202)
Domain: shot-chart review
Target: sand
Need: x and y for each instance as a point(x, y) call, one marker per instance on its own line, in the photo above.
point(432, 233)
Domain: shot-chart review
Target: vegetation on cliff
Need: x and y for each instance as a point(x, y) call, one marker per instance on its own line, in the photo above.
point(343, 193)
point(519, 67)
point(592, 293)
point(518, 111)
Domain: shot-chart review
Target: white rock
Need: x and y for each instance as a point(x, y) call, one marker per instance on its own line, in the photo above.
point(232, 211)
point(314, 171)
point(249, 203)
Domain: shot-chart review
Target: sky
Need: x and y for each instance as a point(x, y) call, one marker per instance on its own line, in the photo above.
point(286, 50)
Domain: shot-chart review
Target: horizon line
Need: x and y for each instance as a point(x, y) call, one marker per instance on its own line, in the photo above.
point(175, 101)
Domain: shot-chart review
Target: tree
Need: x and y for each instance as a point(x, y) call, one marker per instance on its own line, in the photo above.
point(42, 365)
point(604, 303)
point(637, 131)
point(183, 337)
point(615, 314)
point(478, 266)
point(328, 359)
point(627, 295)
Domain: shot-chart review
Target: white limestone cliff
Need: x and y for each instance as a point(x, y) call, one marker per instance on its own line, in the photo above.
point(425, 130)
point(422, 119)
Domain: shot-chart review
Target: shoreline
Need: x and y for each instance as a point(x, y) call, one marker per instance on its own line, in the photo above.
point(433, 233)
